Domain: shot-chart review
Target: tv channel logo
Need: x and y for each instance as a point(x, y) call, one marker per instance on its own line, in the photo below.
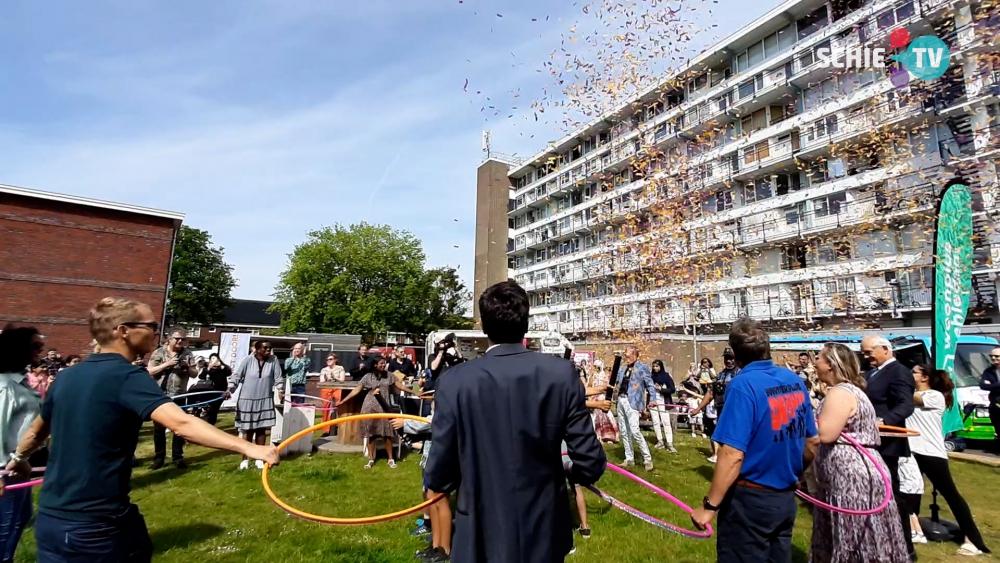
point(926, 58)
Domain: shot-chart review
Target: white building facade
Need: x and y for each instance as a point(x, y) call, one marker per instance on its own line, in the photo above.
point(757, 181)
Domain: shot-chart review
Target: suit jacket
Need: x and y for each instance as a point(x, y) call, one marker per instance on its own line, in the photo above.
point(890, 390)
point(499, 421)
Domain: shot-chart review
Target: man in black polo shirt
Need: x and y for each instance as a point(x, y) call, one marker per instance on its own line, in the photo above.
point(94, 412)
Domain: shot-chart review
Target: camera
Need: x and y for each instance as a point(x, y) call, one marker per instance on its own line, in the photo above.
point(448, 349)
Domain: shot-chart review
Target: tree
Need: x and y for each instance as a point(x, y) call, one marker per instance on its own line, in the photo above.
point(201, 282)
point(365, 279)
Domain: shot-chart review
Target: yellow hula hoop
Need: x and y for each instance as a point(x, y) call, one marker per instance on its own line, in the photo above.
point(331, 519)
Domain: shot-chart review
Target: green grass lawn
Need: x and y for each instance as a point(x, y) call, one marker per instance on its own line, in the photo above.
point(213, 512)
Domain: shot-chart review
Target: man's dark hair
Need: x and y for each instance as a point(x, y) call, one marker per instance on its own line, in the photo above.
point(17, 348)
point(806, 354)
point(503, 312)
point(749, 341)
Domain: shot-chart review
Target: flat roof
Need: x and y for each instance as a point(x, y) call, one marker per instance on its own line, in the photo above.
point(88, 202)
point(775, 13)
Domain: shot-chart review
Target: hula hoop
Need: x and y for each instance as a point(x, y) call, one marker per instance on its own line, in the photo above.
point(891, 430)
point(24, 485)
point(203, 403)
point(331, 519)
point(331, 408)
point(670, 406)
point(183, 395)
point(886, 480)
point(642, 515)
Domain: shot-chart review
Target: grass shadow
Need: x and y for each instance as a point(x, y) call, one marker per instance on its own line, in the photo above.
point(799, 555)
point(183, 536)
point(706, 471)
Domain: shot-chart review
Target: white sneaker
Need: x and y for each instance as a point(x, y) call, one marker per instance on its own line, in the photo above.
point(259, 464)
point(693, 435)
point(244, 465)
point(703, 435)
point(918, 537)
point(713, 459)
point(671, 449)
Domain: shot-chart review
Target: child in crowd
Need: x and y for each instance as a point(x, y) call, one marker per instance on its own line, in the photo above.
point(911, 489)
point(711, 417)
point(692, 400)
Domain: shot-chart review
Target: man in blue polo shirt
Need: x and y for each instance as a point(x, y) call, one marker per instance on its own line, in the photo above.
point(768, 435)
point(94, 412)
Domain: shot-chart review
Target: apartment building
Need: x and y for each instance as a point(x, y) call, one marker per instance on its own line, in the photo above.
point(759, 181)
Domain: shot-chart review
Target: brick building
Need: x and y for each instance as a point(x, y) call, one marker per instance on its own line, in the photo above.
point(60, 254)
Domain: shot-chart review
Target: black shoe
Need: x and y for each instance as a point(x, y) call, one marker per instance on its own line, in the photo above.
point(436, 555)
point(157, 464)
point(180, 464)
point(584, 532)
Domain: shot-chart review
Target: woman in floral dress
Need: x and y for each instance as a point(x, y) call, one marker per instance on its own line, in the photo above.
point(846, 477)
point(380, 384)
point(604, 425)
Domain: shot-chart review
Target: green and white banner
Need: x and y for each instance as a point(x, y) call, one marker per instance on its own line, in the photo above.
point(952, 282)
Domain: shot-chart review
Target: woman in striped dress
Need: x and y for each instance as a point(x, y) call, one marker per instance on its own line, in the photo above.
point(258, 376)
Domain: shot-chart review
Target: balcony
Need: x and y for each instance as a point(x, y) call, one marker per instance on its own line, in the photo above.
point(766, 156)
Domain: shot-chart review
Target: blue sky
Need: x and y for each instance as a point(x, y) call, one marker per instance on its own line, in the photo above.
point(262, 120)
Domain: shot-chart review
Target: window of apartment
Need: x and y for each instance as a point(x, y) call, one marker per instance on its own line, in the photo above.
point(754, 122)
point(709, 302)
point(785, 183)
point(820, 93)
point(833, 251)
point(723, 200)
point(756, 153)
point(747, 88)
point(813, 22)
point(793, 257)
point(697, 83)
point(829, 205)
point(794, 213)
point(879, 244)
point(915, 236)
point(757, 190)
point(891, 17)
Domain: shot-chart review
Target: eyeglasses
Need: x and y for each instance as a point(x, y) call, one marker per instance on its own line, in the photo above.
point(994, 356)
point(153, 326)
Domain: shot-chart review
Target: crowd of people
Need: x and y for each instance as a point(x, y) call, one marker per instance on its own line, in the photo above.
point(774, 430)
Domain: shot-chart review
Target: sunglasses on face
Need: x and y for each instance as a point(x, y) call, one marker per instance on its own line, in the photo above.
point(994, 357)
point(153, 326)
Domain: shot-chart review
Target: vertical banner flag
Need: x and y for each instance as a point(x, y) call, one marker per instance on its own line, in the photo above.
point(233, 347)
point(952, 282)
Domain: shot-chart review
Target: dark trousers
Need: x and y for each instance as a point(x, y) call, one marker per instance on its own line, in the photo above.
point(124, 539)
point(892, 463)
point(160, 440)
point(15, 511)
point(755, 525)
point(937, 471)
point(212, 412)
point(995, 421)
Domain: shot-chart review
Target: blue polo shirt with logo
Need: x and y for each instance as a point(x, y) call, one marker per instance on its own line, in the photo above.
point(768, 417)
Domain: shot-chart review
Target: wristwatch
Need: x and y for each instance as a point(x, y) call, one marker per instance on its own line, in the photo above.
point(708, 505)
point(15, 457)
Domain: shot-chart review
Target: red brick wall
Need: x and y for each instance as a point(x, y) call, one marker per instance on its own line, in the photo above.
point(58, 259)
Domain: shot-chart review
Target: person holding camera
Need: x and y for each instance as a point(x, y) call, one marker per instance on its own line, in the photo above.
point(171, 365)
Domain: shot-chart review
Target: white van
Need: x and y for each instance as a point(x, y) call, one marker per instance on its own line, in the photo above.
point(473, 343)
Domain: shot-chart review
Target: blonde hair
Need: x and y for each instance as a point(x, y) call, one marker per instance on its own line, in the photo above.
point(109, 314)
point(844, 364)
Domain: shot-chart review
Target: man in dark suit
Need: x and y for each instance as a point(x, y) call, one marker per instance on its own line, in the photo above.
point(890, 389)
point(498, 424)
point(361, 365)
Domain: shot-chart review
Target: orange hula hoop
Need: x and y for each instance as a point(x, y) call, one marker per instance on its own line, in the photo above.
point(897, 431)
point(331, 519)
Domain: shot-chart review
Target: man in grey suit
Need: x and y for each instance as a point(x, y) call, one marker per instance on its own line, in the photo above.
point(498, 426)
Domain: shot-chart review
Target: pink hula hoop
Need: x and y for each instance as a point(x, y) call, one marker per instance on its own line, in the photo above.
point(24, 485)
point(332, 408)
point(886, 480)
point(642, 515)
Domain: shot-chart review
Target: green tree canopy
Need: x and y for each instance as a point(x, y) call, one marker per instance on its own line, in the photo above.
point(366, 279)
point(201, 282)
